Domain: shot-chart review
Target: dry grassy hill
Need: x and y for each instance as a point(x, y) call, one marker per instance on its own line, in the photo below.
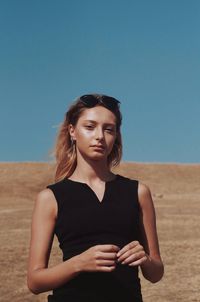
point(176, 193)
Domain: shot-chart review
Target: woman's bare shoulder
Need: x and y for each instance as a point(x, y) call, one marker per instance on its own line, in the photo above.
point(144, 193)
point(45, 199)
point(143, 188)
point(45, 195)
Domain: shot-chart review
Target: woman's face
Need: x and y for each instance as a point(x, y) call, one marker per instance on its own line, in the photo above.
point(95, 133)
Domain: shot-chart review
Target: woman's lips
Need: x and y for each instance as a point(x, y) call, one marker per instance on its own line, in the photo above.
point(99, 147)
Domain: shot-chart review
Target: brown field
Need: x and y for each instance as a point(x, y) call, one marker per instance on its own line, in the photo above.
point(176, 193)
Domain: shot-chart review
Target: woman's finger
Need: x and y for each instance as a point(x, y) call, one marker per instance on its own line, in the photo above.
point(127, 247)
point(107, 256)
point(130, 252)
point(133, 257)
point(138, 262)
point(106, 262)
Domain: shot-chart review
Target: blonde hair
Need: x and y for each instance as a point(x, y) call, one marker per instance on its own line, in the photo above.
point(65, 149)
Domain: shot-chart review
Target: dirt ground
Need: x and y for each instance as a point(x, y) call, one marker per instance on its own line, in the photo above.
point(176, 193)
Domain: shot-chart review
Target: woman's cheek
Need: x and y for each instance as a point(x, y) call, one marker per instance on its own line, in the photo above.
point(84, 133)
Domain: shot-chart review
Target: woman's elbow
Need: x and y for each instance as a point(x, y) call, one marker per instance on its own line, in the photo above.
point(32, 286)
point(156, 277)
point(33, 289)
point(155, 274)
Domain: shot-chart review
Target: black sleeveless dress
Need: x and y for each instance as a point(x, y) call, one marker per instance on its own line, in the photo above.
point(84, 221)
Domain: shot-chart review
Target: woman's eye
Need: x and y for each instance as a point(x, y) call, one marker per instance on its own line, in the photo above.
point(92, 127)
point(108, 129)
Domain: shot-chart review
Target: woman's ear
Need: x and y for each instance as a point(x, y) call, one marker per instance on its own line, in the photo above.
point(71, 130)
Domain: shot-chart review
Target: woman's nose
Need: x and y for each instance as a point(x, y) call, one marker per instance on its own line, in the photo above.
point(99, 134)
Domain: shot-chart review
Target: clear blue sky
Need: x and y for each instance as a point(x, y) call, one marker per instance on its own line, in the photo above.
point(144, 53)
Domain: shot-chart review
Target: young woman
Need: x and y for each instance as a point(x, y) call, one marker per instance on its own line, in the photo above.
point(105, 222)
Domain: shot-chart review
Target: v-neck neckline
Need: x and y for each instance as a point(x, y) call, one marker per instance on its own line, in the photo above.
point(93, 192)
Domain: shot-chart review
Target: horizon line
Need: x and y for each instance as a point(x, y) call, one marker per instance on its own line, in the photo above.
point(126, 162)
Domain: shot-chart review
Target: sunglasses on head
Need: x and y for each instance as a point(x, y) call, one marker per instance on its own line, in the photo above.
point(90, 101)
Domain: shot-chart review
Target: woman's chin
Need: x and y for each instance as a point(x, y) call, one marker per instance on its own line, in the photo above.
point(97, 156)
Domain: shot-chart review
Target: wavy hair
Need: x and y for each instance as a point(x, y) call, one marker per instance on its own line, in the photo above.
point(65, 149)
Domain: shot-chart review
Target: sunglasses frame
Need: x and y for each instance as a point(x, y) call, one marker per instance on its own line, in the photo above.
point(90, 101)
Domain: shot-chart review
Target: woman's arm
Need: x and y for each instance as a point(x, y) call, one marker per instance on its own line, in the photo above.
point(152, 268)
point(40, 278)
point(144, 252)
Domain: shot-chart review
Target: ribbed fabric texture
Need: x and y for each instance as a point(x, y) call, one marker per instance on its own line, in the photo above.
point(84, 221)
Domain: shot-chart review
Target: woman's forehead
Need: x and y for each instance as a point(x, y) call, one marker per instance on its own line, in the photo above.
point(98, 113)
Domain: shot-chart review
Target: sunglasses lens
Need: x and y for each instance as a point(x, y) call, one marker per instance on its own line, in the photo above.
point(88, 100)
point(110, 102)
point(91, 101)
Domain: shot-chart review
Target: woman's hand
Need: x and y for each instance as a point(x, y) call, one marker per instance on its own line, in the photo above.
point(132, 254)
point(100, 258)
